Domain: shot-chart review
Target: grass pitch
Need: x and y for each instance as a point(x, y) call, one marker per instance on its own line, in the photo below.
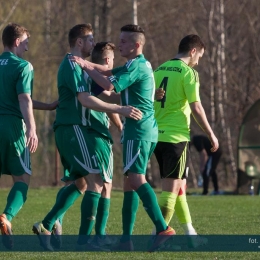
point(211, 215)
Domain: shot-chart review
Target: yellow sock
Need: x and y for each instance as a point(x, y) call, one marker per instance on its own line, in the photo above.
point(182, 209)
point(167, 202)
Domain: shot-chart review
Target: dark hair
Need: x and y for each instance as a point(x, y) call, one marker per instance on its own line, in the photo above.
point(11, 32)
point(79, 30)
point(100, 50)
point(138, 32)
point(189, 42)
point(132, 28)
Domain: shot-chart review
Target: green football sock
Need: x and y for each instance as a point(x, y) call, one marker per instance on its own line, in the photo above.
point(182, 209)
point(148, 197)
point(64, 201)
point(57, 197)
point(89, 207)
point(15, 200)
point(129, 210)
point(167, 202)
point(102, 216)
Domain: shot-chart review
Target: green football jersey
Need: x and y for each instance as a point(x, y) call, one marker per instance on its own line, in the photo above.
point(135, 82)
point(98, 121)
point(71, 81)
point(16, 77)
point(181, 85)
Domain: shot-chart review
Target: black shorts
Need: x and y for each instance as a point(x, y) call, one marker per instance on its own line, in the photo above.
point(173, 159)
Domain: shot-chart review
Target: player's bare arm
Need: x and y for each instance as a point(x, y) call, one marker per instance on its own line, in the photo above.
point(110, 97)
point(44, 106)
point(96, 104)
point(84, 63)
point(201, 119)
point(115, 119)
point(26, 107)
point(100, 79)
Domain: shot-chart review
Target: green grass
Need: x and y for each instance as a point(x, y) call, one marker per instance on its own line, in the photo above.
point(211, 215)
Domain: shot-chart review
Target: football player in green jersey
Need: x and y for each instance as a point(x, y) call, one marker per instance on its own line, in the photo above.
point(16, 109)
point(17, 125)
point(83, 154)
point(135, 83)
point(103, 53)
point(178, 83)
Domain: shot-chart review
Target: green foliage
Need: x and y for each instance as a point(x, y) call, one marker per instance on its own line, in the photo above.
point(236, 215)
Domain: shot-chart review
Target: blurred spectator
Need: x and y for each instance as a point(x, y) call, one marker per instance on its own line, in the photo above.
point(208, 162)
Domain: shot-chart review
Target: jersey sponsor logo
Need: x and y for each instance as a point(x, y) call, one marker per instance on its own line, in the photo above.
point(161, 131)
point(176, 69)
point(3, 62)
point(148, 64)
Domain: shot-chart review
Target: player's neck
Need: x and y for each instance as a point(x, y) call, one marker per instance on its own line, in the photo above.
point(76, 52)
point(182, 57)
point(133, 55)
point(7, 49)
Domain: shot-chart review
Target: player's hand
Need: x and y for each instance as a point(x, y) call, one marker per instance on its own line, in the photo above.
point(159, 93)
point(32, 140)
point(214, 142)
point(53, 105)
point(82, 63)
point(131, 112)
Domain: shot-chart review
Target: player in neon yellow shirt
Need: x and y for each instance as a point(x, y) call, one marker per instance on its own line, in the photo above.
point(179, 84)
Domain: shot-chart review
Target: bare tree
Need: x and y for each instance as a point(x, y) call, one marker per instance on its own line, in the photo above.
point(107, 20)
point(95, 21)
point(135, 18)
point(9, 14)
point(46, 128)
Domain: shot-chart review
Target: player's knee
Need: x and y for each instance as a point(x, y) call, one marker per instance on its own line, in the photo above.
point(81, 184)
point(106, 191)
point(136, 180)
point(94, 183)
point(25, 178)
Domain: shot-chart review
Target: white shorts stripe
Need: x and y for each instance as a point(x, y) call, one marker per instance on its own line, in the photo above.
point(25, 167)
point(83, 146)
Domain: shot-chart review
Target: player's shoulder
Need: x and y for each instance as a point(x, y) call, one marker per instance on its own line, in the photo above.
point(138, 62)
point(68, 65)
point(193, 73)
point(24, 64)
point(131, 63)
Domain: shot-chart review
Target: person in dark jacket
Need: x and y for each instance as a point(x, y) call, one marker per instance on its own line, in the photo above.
point(208, 162)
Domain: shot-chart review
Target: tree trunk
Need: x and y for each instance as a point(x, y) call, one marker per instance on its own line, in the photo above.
point(45, 139)
point(135, 20)
point(95, 21)
point(222, 57)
